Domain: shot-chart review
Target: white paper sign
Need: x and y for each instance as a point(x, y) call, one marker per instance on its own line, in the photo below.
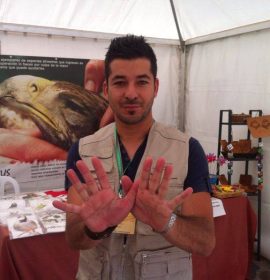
point(218, 208)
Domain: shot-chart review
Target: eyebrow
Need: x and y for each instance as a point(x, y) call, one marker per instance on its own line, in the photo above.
point(116, 77)
point(143, 76)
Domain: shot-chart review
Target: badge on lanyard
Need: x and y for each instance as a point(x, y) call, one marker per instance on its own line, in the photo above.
point(127, 226)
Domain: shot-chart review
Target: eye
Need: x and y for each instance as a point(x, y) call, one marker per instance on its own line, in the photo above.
point(73, 105)
point(33, 87)
point(142, 82)
point(119, 83)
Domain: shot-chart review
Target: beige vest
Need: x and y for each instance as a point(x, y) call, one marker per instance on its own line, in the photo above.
point(146, 254)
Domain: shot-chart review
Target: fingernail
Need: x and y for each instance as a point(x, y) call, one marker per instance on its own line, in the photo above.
point(90, 85)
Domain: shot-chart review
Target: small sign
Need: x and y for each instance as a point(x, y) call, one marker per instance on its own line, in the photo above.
point(259, 126)
point(218, 208)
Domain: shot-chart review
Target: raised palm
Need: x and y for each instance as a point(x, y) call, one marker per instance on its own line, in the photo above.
point(101, 207)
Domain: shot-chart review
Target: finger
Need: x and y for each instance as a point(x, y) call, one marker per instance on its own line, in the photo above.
point(75, 181)
point(126, 183)
point(66, 207)
point(101, 174)
point(90, 182)
point(94, 75)
point(164, 185)
point(179, 199)
point(131, 194)
point(107, 118)
point(145, 174)
point(156, 177)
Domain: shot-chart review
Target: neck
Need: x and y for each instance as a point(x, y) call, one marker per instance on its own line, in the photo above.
point(133, 135)
point(133, 132)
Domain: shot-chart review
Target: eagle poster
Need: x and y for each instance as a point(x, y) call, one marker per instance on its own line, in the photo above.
point(45, 106)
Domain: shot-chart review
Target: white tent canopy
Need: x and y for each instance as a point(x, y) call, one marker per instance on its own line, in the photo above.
point(226, 65)
point(152, 18)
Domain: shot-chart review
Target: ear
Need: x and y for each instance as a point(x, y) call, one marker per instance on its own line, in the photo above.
point(105, 89)
point(156, 86)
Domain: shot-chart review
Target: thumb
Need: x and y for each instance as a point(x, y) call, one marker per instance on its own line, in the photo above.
point(130, 188)
point(107, 118)
point(126, 183)
point(180, 198)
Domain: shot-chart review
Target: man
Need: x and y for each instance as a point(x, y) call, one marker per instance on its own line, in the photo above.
point(140, 166)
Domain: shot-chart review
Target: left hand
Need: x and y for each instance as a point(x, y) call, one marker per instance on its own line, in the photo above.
point(151, 206)
point(100, 206)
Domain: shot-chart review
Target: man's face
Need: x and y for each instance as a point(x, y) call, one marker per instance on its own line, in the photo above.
point(131, 89)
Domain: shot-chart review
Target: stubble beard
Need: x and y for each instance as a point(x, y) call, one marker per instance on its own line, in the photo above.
point(129, 120)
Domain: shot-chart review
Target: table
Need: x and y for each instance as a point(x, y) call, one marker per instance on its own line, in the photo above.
point(48, 256)
point(40, 257)
point(235, 234)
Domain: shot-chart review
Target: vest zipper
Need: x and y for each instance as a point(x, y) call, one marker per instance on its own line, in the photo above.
point(123, 258)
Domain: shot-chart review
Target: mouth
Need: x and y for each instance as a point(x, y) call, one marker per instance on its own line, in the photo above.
point(131, 109)
point(131, 106)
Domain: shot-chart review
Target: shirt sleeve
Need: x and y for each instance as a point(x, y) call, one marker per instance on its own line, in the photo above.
point(198, 174)
point(73, 157)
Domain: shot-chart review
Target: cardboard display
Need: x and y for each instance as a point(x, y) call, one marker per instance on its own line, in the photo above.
point(259, 126)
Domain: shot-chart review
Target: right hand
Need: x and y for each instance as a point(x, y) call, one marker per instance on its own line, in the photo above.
point(151, 206)
point(101, 207)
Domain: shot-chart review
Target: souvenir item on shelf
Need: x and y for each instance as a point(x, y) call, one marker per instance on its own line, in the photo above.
point(225, 191)
point(238, 149)
point(240, 118)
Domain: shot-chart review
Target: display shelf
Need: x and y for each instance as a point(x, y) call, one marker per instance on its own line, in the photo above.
point(225, 125)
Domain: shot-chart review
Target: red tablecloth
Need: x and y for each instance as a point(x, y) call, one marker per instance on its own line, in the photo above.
point(43, 257)
point(47, 257)
point(235, 234)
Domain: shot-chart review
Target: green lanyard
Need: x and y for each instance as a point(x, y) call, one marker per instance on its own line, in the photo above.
point(119, 162)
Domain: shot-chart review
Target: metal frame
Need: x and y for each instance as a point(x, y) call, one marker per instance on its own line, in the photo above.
point(229, 124)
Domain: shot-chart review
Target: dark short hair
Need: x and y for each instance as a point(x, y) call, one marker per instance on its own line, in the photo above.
point(130, 47)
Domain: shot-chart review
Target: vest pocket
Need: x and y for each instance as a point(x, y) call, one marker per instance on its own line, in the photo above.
point(169, 264)
point(93, 265)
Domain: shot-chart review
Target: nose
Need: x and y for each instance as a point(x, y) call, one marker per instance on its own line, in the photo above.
point(131, 92)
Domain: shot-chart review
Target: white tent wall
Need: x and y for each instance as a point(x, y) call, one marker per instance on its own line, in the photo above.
point(166, 104)
point(230, 73)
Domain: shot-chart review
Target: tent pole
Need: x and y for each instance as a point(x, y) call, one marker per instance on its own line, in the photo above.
point(182, 42)
point(182, 77)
